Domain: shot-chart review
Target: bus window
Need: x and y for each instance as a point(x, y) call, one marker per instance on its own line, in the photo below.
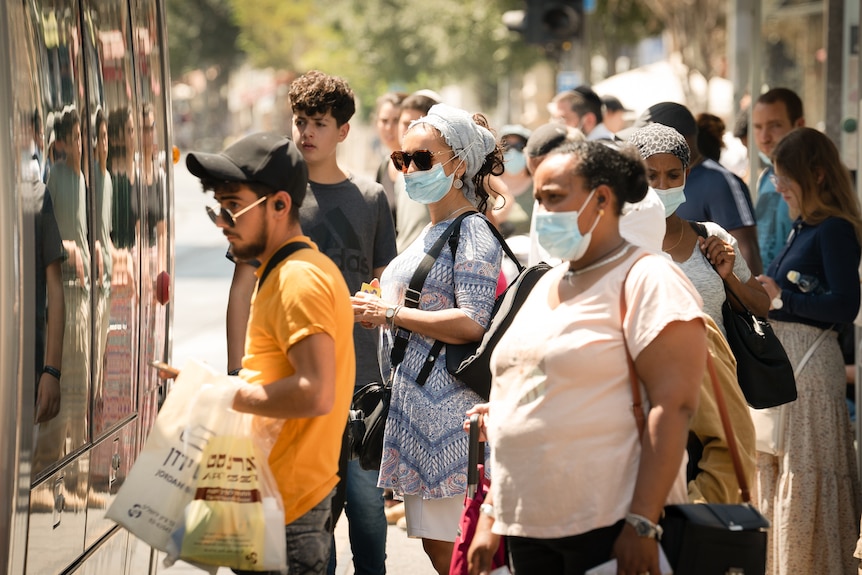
point(154, 189)
point(62, 88)
point(116, 209)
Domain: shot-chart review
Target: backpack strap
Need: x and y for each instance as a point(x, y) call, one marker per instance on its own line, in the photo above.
point(283, 253)
point(453, 242)
point(414, 290)
point(455, 236)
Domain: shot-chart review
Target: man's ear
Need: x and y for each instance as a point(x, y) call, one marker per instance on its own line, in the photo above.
point(343, 130)
point(799, 123)
point(281, 203)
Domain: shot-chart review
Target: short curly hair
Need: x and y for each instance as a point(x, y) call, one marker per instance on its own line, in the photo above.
point(316, 93)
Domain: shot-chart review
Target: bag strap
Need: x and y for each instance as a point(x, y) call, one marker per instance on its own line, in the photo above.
point(414, 292)
point(279, 256)
point(640, 419)
point(454, 237)
point(811, 351)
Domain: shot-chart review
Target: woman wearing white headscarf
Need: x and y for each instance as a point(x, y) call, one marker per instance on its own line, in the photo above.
point(447, 159)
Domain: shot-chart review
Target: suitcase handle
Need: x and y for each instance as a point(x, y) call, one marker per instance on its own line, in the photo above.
point(473, 456)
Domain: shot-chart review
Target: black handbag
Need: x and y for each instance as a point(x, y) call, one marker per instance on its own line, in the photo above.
point(762, 367)
point(366, 420)
point(709, 538)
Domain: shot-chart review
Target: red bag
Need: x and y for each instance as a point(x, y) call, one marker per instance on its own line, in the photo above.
point(477, 489)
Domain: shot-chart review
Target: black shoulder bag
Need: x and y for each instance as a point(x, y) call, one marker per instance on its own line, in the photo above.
point(764, 372)
point(470, 362)
point(707, 538)
point(370, 409)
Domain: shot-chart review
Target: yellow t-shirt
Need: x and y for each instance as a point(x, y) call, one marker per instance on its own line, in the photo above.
point(303, 296)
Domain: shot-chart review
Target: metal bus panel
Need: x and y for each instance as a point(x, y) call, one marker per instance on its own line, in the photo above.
point(58, 516)
point(100, 61)
point(109, 557)
point(110, 462)
point(18, 99)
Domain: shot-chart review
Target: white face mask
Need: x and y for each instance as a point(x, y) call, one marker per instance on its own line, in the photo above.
point(559, 234)
point(672, 198)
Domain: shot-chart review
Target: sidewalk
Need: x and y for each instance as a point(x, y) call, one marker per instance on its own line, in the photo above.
point(403, 555)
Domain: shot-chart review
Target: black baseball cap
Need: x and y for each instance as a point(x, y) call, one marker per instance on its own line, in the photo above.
point(262, 158)
point(670, 114)
point(613, 104)
point(545, 138)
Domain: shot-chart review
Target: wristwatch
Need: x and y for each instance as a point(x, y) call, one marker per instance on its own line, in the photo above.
point(644, 527)
point(776, 302)
point(487, 509)
point(390, 314)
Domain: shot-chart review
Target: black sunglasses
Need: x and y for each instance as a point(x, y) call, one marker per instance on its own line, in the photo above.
point(420, 158)
point(230, 217)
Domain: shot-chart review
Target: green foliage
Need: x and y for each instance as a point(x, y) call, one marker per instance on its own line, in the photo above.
point(202, 33)
point(379, 45)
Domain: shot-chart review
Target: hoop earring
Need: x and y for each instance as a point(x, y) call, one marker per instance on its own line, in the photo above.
point(458, 184)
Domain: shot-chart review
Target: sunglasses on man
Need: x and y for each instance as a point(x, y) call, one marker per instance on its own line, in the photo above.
point(230, 217)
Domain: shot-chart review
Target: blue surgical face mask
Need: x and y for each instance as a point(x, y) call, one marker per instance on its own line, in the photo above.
point(559, 234)
point(765, 159)
point(672, 198)
point(429, 186)
point(515, 161)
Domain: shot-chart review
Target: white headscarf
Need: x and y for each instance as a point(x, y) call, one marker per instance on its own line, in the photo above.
point(471, 142)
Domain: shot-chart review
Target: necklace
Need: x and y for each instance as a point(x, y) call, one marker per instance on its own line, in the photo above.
point(681, 233)
point(452, 213)
point(604, 260)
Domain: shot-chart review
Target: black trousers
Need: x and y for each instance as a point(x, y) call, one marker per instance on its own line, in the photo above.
point(564, 556)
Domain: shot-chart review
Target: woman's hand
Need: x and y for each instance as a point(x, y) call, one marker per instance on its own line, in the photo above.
point(719, 253)
point(636, 555)
point(369, 309)
point(483, 547)
point(482, 410)
point(769, 285)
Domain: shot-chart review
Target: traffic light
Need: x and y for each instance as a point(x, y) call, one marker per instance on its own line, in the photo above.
point(547, 22)
point(553, 21)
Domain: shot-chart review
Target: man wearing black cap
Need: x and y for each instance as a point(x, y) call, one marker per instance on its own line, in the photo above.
point(615, 113)
point(299, 348)
point(712, 192)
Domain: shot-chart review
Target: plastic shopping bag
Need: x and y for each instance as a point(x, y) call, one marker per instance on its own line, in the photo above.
point(152, 499)
point(236, 518)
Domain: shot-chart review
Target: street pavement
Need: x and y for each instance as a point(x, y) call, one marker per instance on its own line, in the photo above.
point(202, 278)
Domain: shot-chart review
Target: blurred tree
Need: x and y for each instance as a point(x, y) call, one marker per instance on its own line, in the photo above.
point(201, 34)
point(618, 26)
point(385, 44)
point(698, 32)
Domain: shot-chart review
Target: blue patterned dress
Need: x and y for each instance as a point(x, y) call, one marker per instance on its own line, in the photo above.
point(424, 446)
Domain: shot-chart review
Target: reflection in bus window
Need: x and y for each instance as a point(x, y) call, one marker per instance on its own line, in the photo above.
point(68, 431)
